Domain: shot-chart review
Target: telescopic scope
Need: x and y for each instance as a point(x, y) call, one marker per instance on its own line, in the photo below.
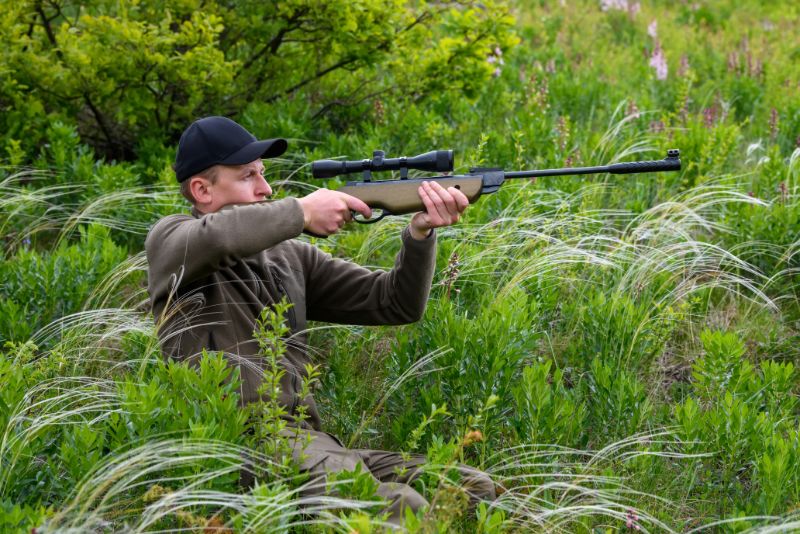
point(435, 160)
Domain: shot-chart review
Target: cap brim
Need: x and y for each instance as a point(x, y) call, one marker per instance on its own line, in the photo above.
point(268, 148)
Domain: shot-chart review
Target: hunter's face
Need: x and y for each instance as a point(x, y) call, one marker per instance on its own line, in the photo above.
point(239, 184)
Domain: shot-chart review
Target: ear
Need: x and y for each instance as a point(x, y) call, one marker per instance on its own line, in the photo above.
point(200, 189)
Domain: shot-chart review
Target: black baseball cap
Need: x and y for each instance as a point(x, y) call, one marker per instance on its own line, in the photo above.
point(220, 141)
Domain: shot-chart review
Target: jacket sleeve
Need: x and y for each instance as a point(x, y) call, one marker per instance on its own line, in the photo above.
point(181, 248)
point(339, 291)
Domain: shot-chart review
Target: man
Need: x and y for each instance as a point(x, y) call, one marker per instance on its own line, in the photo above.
point(212, 272)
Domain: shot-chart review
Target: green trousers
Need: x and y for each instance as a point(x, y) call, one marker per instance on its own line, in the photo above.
point(325, 454)
point(394, 474)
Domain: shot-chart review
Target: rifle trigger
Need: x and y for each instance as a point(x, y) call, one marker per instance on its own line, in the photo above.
point(373, 220)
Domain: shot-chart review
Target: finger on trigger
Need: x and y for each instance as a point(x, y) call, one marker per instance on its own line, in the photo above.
point(356, 204)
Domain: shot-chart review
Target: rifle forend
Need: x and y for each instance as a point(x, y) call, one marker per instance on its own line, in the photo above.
point(397, 197)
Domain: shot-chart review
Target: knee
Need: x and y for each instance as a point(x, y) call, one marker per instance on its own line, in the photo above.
point(478, 485)
point(409, 497)
point(400, 497)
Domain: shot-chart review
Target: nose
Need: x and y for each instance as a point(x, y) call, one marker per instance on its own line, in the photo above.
point(263, 188)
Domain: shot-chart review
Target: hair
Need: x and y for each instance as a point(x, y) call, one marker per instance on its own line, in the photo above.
point(211, 174)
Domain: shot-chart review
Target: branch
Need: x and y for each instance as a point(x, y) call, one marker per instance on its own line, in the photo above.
point(317, 76)
point(99, 118)
point(48, 30)
point(346, 102)
point(274, 43)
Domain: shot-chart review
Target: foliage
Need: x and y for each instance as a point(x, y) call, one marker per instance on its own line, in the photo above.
point(616, 352)
point(39, 287)
point(132, 72)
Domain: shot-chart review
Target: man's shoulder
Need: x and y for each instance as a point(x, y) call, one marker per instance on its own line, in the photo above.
point(163, 224)
point(168, 220)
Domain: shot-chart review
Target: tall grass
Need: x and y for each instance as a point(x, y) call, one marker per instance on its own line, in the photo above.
point(617, 353)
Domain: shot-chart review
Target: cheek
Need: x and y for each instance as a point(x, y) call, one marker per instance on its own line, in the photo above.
point(242, 190)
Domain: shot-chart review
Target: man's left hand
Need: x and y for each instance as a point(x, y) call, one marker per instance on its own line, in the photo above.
point(443, 207)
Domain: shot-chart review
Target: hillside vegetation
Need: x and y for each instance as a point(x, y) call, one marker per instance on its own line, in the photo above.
point(617, 352)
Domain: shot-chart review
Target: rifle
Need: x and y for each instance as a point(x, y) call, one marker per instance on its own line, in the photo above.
point(397, 197)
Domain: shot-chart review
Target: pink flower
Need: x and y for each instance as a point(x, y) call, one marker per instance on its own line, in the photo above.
point(632, 520)
point(684, 68)
point(652, 29)
point(659, 62)
point(621, 5)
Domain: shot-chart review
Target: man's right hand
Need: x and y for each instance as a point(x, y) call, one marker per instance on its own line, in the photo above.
point(326, 211)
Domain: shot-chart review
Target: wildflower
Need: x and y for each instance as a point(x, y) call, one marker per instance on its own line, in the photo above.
point(473, 436)
point(496, 57)
point(215, 525)
point(710, 116)
point(773, 124)
point(632, 520)
point(540, 91)
point(733, 61)
point(155, 492)
point(633, 110)
point(659, 62)
point(683, 70)
point(652, 29)
point(620, 5)
point(758, 69)
point(379, 110)
point(451, 273)
point(563, 133)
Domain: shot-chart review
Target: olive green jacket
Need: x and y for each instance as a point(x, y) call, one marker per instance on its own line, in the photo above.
point(210, 276)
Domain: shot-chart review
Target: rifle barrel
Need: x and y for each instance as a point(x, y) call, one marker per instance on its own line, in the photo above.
point(557, 172)
point(671, 163)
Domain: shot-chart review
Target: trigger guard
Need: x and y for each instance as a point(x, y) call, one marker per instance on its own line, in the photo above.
point(383, 214)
